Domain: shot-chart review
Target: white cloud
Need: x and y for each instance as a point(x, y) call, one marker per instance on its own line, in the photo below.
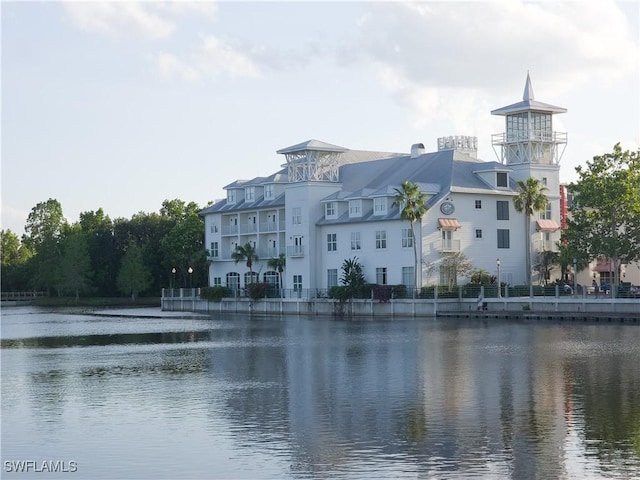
point(120, 18)
point(213, 58)
point(150, 19)
point(463, 44)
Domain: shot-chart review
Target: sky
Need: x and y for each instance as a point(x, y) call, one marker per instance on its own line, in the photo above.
point(122, 105)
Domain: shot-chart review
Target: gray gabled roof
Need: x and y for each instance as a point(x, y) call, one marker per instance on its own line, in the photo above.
point(528, 103)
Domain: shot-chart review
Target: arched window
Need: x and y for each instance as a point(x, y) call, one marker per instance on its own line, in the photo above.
point(248, 278)
point(233, 281)
point(271, 277)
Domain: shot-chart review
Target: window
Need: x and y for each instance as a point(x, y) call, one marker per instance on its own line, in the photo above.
point(379, 206)
point(214, 249)
point(251, 277)
point(546, 214)
point(408, 277)
point(381, 239)
point(217, 281)
point(332, 277)
point(297, 282)
point(233, 281)
point(355, 208)
point(268, 191)
point(503, 238)
point(332, 243)
point(330, 210)
point(231, 196)
point(503, 210)
point(501, 179)
point(407, 238)
point(544, 181)
point(381, 276)
point(214, 228)
point(478, 233)
point(355, 241)
point(478, 203)
point(296, 216)
point(250, 194)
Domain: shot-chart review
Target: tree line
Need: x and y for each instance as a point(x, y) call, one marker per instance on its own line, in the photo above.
point(98, 256)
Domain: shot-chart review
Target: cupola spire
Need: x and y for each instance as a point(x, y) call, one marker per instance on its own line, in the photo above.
point(528, 89)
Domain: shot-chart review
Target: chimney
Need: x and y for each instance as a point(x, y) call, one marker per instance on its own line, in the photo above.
point(417, 149)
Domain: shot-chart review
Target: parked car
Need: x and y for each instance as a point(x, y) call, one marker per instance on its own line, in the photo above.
point(634, 291)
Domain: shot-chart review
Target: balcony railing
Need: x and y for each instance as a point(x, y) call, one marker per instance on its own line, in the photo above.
point(230, 230)
point(249, 228)
point(528, 136)
point(450, 245)
point(269, 227)
point(295, 250)
point(270, 252)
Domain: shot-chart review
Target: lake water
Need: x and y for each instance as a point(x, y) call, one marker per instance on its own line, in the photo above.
point(294, 397)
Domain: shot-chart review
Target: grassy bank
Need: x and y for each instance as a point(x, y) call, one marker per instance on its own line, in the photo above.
point(96, 302)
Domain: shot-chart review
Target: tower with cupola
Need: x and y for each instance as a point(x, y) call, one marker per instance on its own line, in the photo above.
point(530, 147)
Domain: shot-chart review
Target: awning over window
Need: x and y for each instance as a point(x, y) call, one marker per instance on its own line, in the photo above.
point(448, 224)
point(547, 226)
point(604, 266)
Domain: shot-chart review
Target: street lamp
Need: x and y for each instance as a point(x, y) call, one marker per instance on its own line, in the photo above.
point(575, 271)
point(190, 271)
point(499, 286)
point(173, 277)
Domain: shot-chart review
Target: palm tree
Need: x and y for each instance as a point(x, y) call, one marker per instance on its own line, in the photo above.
point(413, 205)
point(278, 263)
point(245, 253)
point(530, 200)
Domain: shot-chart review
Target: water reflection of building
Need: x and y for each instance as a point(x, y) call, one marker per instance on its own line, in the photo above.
point(474, 399)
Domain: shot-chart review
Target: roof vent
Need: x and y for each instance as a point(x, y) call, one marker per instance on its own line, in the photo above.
point(417, 149)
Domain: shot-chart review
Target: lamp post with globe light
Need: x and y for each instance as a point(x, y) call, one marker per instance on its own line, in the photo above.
point(499, 285)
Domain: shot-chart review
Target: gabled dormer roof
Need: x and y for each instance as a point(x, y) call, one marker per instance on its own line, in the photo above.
point(528, 103)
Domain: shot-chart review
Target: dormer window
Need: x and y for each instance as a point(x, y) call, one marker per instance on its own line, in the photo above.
point(250, 194)
point(268, 192)
point(231, 196)
point(355, 208)
point(502, 180)
point(330, 210)
point(380, 206)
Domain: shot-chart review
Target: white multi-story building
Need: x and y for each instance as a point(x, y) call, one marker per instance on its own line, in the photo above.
point(329, 203)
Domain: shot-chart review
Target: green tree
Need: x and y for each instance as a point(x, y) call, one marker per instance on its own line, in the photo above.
point(605, 214)
point(103, 251)
point(278, 263)
point(352, 276)
point(245, 253)
point(133, 277)
point(75, 264)
point(413, 206)
point(530, 200)
point(44, 225)
point(15, 256)
point(183, 245)
point(43, 232)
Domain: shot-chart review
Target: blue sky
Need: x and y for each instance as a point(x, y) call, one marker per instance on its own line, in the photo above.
point(122, 105)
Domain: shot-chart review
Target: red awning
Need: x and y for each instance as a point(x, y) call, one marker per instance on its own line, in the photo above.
point(448, 223)
point(547, 226)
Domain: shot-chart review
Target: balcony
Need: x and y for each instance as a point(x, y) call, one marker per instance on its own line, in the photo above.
point(269, 252)
point(269, 227)
point(295, 251)
point(248, 228)
point(450, 245)
point(528, 136)
point(230, 230)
